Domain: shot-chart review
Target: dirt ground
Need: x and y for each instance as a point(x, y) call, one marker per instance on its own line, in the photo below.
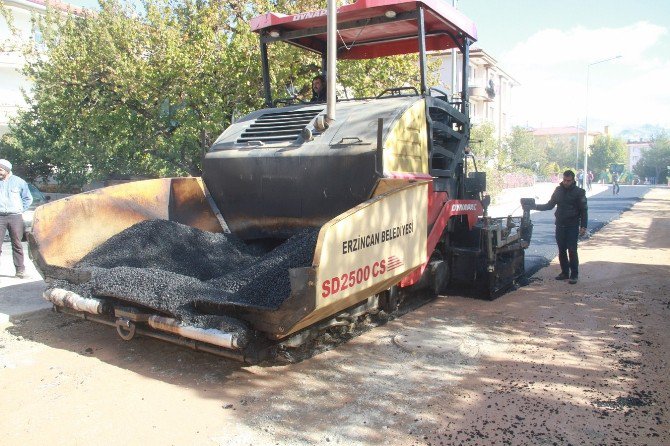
point(548, 364)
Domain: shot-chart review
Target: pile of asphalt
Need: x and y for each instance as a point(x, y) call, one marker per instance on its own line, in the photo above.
point(266, 283)
point(168, 267)
point(173, 247)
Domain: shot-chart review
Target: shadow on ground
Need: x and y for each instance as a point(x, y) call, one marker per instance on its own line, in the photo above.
point(522, 366)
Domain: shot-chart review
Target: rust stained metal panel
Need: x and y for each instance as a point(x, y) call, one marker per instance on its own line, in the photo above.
point(66, 230)
point(189, 205)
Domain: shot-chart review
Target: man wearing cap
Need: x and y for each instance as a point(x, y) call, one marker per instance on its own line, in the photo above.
point(15, 198)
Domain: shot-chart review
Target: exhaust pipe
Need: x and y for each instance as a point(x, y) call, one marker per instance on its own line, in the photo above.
point(331, 61)
point(323, 122)
point(69, 299)
point(215, 350)
point(206, 335)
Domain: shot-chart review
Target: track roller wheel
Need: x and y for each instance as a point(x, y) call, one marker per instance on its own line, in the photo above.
point(439, 276)
point(389, 299)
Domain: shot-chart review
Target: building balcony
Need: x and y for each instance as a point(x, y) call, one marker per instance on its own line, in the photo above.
point(476, 120)
point(12, 60)
point(481, 93)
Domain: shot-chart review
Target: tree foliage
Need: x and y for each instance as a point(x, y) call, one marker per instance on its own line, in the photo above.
point(562, 152)
point(655, 161)
point(492, 156)
point(606, 150)
point(523, 151)
point(131, 91)
point(8, 42)
point(484, 144)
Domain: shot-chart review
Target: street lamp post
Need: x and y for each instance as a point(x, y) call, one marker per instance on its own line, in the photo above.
point(586, 124)
point(577, 151)
point(453, 62)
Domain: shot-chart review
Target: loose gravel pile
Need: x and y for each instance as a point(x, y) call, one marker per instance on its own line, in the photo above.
point(167, 266)
point(173, 247)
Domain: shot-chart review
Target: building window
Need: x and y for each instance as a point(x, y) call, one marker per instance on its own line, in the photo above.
point(37, 35)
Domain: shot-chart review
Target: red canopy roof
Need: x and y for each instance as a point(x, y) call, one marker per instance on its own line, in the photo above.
point(365, 32)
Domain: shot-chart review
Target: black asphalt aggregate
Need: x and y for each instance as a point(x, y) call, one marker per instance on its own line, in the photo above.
point(167, 266)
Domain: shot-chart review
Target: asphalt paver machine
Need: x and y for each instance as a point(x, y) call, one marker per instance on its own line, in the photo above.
point(355, 201)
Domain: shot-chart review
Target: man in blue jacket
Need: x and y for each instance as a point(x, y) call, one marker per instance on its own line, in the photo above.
point(15, 198)
point(571, 219)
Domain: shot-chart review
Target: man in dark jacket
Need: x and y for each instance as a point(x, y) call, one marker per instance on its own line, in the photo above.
point(571, 219)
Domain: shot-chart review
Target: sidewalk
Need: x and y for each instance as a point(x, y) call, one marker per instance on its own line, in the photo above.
point(507, 202)
point(19, 296)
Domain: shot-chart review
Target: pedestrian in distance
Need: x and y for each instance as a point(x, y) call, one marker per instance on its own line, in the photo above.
point(571, 220)
point(589, 179)
point(615, 183)
point(580, 179)
point(15, 198)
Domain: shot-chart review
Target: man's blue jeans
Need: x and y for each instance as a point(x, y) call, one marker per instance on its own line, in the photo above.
point(566, 239)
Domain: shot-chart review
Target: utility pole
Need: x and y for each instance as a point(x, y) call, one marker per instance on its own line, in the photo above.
point(577, 152)
point(586, 125)
point(453, 63)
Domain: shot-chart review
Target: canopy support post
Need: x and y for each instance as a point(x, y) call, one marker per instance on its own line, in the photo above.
point(422, 50)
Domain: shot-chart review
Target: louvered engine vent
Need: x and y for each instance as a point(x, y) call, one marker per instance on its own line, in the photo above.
point(278, 127)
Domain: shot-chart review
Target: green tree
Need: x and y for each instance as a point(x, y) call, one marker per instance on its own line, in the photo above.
point(9, 41)
point(654, 162)
point(23, 148)
point(492, 157)
point(129, 91)
point(484, 144)
point(606, 150)
point(562, 152)
point(523, 150)
point(551, 168)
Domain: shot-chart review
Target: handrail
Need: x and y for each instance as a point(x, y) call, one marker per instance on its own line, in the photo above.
point(395, 91)
point(439, 90)
point(289, 101)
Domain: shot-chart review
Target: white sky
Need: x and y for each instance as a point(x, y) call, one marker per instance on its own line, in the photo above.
point(547, 46)
point(552, 66)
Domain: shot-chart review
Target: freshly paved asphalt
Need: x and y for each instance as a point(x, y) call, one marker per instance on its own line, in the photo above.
point(603, 208)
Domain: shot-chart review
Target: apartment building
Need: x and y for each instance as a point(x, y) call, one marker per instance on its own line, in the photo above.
point(490, 88)
point(14, 35)
point(570, 135)
point(635, 151)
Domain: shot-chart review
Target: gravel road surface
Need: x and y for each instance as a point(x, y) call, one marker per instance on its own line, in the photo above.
point(547, 364)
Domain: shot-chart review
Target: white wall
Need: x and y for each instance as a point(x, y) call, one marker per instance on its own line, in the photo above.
point(12, 82)
point(480, 71)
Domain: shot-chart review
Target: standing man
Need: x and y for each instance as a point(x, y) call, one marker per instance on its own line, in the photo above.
point(615, 183)
point(580, 178)
point(15, 198)
point(571, 219)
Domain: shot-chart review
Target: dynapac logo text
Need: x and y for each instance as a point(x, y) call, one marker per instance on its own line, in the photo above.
point(463, 207)
point(309, 15)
